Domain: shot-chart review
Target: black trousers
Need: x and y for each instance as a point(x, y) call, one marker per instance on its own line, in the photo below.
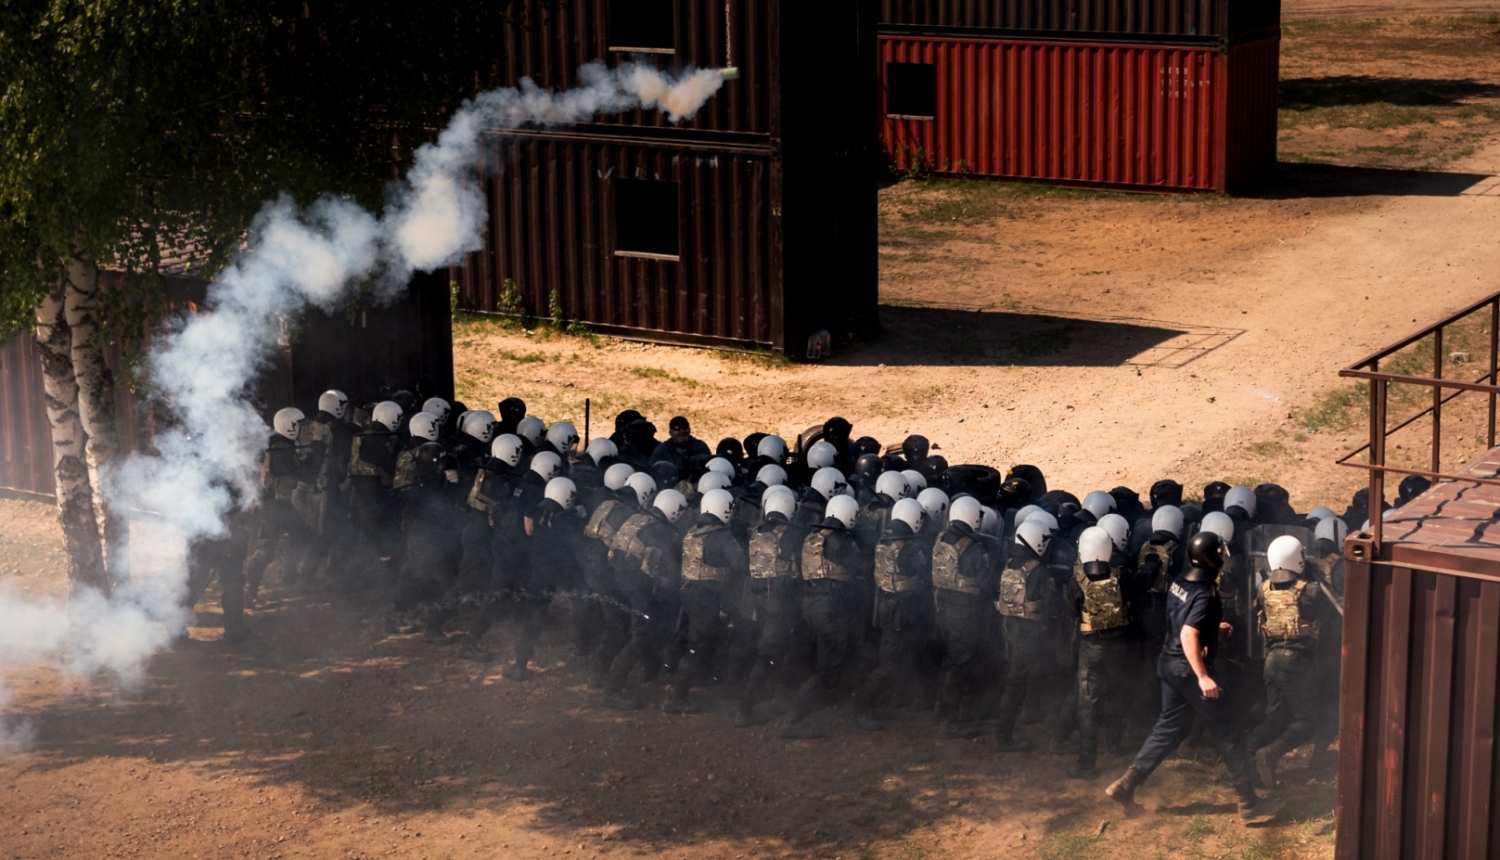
point(653, 619)
point(610, 613)
point(1026, 664)
point(224, 558)
point(277, 520)
point(905, 627)
point(1104, 663)
point(778, 618)
point(963, 621)
point(1292, 700)
point(702, 629)
point(826, 611)
point(1181, 701)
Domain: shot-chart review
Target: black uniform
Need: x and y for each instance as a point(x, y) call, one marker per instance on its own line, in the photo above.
point(776, 597)
point(963, 584)
point(374, 533)
point(1289, 622)
point(1100, 596)
point(830, 560)
point(902, 616)
point(603, 604)
point(324, 501)
point(1026, 604)
point(711, 560)
point(283, 467)
point(646, 554)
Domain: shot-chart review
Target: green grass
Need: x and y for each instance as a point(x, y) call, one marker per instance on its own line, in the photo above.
point(522, 357)
point(1270, 449)
point(1068, 846)
point(663, 375)
point(757, 358)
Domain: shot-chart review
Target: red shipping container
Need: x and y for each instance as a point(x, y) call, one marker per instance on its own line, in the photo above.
point(1160, 117)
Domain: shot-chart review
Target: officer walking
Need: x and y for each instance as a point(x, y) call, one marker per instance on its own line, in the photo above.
point(1289, 624)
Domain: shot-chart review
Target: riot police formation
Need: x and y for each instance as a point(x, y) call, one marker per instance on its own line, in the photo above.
point(833, 577)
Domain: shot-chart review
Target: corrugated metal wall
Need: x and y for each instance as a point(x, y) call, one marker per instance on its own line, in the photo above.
point(1418, 761)
point(1253, 70)
point(551, 228)
point(1130, 115)
point(1105, 18)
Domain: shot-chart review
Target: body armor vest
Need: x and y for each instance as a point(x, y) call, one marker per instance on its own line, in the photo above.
point(945, 572)
point(888, 568)
point(627, 543)
point(766, 559)
point(1164, 553)
point(1103, 604)
point(815, 561)
point(599, 527)
point(695, 568)
point(277, 471)
point(363, 455)
point(490, 489)
point(1328, 565)
point(335, 452)
point(1013, 600)
point(406, 469)
point(1281, 616)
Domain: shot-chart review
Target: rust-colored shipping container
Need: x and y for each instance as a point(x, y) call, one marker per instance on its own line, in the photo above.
point(752, 225)
point(1419, 769)
point(1135, 21)
point(1178, 117)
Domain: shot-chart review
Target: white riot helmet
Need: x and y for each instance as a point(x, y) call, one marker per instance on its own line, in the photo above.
point(507, 449)
point(616, 476)
point(601, 448)
point(562, 436)
point(1095, 544)
point(1043, 519)
point(546, 464)
point(821, 455)
point(916, 481)
point(671, 504)
point(1118, 529)
point(425, 425)
point(967, 510)
point(288, 422)
point(719, 503)
point(771, 475)
point(1025, 513)
point(844, 509)
point(909, 511)
point(723, 467)
point(1033, 535)
point(1284, 557)
point(387, 414)
point(480, 425)
point(1167, 518)
point(990, 525)
point(893, 485)
point(334, 402)
point(829, 482)
point(645, 488)
point(1241, 497)
point(1220, 524)
point(780, 500)
point(439, 407)
point(1332, 528)
point(773, 448)
point(1321, 513)
point(712, 481)
point(532, 430)
point(562, 491)
point(1099, 503)
point(934, 502)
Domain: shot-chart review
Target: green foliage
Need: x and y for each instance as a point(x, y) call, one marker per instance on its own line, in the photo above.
point(510, 307)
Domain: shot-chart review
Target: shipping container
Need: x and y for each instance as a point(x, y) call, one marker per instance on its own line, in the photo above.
point(363, 351)
point(1203, 22)
point(753, 225)
point(1129, 115)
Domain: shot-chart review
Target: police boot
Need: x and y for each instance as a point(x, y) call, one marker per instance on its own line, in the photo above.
point(1122, 790)
point(746, 718)
point(863, 719)
point(1082, 769)
point(677, 702)
point(470, 651)
point(1010, 744)
point(798, 729)
point(1254, 809)
point(618, 701)
point(599, 679)
point(515, 672)
point(433, 634)
point(1265, 766)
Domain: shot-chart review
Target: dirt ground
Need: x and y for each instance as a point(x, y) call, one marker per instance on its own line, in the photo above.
point(1107, 338)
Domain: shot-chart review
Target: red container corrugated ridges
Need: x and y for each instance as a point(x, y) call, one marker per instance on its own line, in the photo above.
point(1142, 116)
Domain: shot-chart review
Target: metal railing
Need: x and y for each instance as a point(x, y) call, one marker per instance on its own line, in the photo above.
point(1368, 369)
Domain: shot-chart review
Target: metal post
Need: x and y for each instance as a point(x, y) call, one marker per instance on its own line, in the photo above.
point(587, 409)
point(1437, 400)
point(1377, 457)
point(1494, 358)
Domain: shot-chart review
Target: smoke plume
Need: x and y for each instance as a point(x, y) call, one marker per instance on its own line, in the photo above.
point(201, 371)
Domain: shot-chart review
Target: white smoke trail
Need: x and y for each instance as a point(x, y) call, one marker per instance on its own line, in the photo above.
point(203, 370)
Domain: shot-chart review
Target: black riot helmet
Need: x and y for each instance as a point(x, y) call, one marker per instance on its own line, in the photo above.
point(915, 448)
point(867, 445)
point(432, 461)
point(837, 430)
point(868, 467)
point(512, 410)
point(1166, 492)
point(1205, 557)
point(624, 419)
point(407, 401)
point(730, 449)
point(1411, 487)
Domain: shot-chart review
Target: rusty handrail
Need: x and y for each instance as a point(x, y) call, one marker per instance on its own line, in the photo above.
point(1368, 368)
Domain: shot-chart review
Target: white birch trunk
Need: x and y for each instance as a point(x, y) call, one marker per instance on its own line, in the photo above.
point(96, 408)
point(75, 496)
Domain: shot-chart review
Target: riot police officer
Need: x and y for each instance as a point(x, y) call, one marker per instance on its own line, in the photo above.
point(1288, 621)
point(1023, 603)
point(1100, 596)
point(283, 467)
point(776, 594)
point(646, 555)
point(711, 559)
point(903, 568)
point(831, 561)
point(963, 586)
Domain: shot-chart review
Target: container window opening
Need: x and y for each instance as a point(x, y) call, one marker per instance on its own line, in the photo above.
point(646, 219)
point(642, 26)
point(910, 90)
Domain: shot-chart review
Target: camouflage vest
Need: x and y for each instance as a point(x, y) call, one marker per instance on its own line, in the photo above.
point(406, 469)
point(359, 467)
point(1013, 600)
point(599, 527)
point(945, 572)
point(1281, 616)
point(694, 567)
point(283, 485)
point(815, 561)
point(1164, 553)
point(766, 560)
point(1330, 567)
point(627, 543)
point(335, 455)
point(888, 568)
point(1103, 604)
